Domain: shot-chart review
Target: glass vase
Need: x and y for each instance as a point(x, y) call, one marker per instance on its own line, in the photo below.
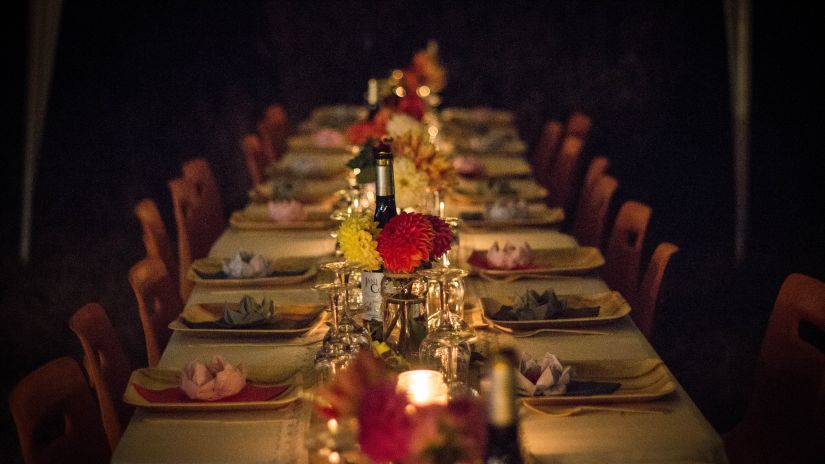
point(404, 313)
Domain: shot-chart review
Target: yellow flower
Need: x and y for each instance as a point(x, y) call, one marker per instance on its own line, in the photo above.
point(417, 147)
point(410, 184)
point(356, 237)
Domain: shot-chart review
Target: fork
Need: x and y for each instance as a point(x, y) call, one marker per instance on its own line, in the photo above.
point(573, 410)
point(514, 277)
point(530, 333)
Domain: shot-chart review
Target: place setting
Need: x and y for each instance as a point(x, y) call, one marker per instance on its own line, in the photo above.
point(510, 262)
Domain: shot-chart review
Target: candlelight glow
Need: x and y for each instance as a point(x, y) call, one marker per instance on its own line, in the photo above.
point(423, 387)
point(423, 91)
point(399, 91)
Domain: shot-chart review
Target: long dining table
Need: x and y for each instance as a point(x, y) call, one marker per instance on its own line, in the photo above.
point(674, 431)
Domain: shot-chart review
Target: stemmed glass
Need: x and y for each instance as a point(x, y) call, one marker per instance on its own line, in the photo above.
point(446, 349)
point(356, 335)
point(450, 282)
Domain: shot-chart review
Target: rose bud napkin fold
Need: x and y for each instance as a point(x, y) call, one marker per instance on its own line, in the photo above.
point(469, 166)
point(549, 377)
point(247, 265)
point(214, 381)
point(509, 256)
point(286, 211)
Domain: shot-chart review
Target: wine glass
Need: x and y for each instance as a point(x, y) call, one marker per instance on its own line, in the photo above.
point(355, 335)
point(445, 349)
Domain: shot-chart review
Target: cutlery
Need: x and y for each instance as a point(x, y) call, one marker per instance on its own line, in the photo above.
point(514, 277)
point(566, 411)
point(530, 333)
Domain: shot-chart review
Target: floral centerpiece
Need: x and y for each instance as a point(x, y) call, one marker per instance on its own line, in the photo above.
point(407, 241)
point(391, 428)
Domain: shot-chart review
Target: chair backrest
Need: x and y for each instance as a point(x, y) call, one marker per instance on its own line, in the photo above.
point(546, 150)
point(199, 172)
point(588, 223)
point(579, 124)
point(273, 128)
point(155, 239)
point(624, 249)
point(57, 391)
point(644, 312)
point(159, 304)
point(564, 174)
point(255, 158)
point(596, 169)
point(106, 364)
point(787, 407)
point(197, 231)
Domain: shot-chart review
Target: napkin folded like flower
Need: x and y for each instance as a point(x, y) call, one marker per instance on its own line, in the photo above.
point(509, 256)
point(542, 378)
point(213, 381)
point(504, 209)
point(532, 306)
point(286, 211)
point(328, 138)
point(246, 265)
point(468, 166)
point(248, 312)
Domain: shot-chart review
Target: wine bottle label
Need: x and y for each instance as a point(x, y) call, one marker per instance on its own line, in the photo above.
point(384, 182)
point(371, 295)
point(501, 404)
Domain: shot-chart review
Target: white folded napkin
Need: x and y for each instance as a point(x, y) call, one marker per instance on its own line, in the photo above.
point(552, 377)
point(247, 265)
point(286, 211)
point(509, 256)
point(213, 381)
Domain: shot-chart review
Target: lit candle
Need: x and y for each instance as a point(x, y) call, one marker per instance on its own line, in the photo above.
point(423, 387)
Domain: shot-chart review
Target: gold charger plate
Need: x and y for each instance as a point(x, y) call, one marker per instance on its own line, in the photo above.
point(641, 380)
point(571, 260)
point(157, 379)
point(208, 312)
point(477, 191)
point(612, 306)
point(214, 265)
point(246, 220)
point(544, 217)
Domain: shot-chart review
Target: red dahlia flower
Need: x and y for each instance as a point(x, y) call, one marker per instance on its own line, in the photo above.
point(443, 236)
point(405, 242)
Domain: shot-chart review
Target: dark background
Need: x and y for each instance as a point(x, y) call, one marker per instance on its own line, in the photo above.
point(140, 87)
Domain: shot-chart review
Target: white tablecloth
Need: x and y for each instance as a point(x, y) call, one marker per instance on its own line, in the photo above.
point(681, 435)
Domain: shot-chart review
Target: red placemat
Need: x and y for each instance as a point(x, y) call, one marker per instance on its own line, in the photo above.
point(249, 393)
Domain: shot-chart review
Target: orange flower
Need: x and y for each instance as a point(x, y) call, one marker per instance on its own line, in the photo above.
point(405, 242)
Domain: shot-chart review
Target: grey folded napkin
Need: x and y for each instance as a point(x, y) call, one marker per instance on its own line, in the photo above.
point(248, 312)
point(534, 306)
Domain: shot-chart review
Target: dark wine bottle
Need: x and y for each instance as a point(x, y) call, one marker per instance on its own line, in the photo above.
point(372, 98)
point(502, 413)
point(384, 184)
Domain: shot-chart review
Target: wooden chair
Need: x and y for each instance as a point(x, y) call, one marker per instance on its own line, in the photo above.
point(546, 150)
point(106, 364)
point(159, 304)
point(579, 125)
point(57, 393)
point(155, 239)
point(199, 173)
point(273, 128)
point(785, 420)
point(197, 229)
point(624, 249)
point(564, 174)
point(644, 312)
point(595, 170)
point(588, 224)
point(255, 158)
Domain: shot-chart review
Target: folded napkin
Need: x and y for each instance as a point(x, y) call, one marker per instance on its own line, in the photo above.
point(505, 209)
point(509, 256)
point(247, 265)
point(535, 306)
point(469, 166)
point(328, 138)
point(544, 378)
point(285, 188)
point(286, 211)
point(218, 379)
point(248, 312)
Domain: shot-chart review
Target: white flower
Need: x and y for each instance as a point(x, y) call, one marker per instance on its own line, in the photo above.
point(410, 184)
point(400, 123)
